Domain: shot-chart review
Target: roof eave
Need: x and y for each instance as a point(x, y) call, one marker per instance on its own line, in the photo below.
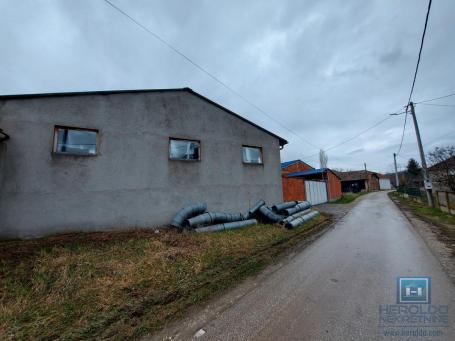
point(281, 140)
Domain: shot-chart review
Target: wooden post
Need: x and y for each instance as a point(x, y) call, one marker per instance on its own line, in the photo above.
point(448, 202)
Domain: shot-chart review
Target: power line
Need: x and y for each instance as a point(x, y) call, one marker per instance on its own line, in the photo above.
point(439, 105)
point(431, 141)
point(442, 136)
point(420, 51)
point(415, 75)
point(404, 129)
point(355, 136)
point(199, 67)
point(434, 99)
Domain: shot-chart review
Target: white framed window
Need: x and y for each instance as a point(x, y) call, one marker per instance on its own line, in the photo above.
point(185, 150)
point(75, 141)
point(252, 155)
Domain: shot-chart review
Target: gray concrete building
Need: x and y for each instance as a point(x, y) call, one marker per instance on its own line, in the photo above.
point(127, 159)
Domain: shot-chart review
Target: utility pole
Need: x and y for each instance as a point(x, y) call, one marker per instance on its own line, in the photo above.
point(397, 182)
point(366, 177)
point(426, 178)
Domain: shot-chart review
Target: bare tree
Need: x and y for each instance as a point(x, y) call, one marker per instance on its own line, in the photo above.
point(442, 170)
point(323, 159)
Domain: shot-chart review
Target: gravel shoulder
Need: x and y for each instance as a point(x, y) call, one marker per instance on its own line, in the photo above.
point(338, 211)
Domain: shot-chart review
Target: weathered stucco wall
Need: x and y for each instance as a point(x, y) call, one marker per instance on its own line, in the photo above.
point(131, 183)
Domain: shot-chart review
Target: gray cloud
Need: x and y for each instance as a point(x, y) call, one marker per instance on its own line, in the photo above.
point(326, 69)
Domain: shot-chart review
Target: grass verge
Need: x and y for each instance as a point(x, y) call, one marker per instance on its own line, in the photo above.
point(445, 222)
point(347, 198)
point(126, 284)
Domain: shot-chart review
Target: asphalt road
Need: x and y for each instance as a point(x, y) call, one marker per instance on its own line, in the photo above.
point(333, 289)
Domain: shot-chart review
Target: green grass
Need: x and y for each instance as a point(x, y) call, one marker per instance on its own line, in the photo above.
point(347, 198)
point(124, 285)
point(445, 221)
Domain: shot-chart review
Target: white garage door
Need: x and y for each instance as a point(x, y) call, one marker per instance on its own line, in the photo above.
point(316, 192)
point(384, 184)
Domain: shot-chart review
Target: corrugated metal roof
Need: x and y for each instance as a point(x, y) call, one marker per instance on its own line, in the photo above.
point(311, 172)
point(307, 172)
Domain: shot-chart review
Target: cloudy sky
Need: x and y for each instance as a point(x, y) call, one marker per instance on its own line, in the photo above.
point(327, 70)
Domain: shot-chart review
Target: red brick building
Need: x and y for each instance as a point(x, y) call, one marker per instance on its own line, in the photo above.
point(295, 173)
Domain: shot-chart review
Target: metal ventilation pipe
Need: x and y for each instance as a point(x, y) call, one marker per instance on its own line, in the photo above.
point(255, 208)
point(188, 212)
point(294, 216)
point(269, 214)
point(297, 208)
point(210, 218)
point(227, 226)
point(284, 205)
point(298, 221)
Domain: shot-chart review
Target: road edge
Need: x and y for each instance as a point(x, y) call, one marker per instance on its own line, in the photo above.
point(424, 229)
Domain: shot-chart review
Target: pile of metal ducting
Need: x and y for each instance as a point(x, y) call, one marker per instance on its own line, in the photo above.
point(289, 214)
point(196, 218)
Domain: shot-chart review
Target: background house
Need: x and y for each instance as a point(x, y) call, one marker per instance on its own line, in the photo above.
point(356, 181)
point(442, 175)
point(121, 159)
point(303, 182)
point(384, 182)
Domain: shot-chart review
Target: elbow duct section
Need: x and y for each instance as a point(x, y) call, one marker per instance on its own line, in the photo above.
point(297, 208)
point(211, 218)
point(298, 221)
point(255, 208)
point(188, 212)
point(269, 214)
point(226, 226)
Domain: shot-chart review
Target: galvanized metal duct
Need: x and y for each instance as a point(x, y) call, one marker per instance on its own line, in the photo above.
point(297, 208)
point(210, 218)
point(255, 208)
point(188, 212)
point(295, 216)
point(284, 205)
point(269, 214)
point(227, 226)
point(298, 221)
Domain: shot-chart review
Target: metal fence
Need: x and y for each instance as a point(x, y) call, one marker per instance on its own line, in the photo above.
point(444, 200)
point(411, 191)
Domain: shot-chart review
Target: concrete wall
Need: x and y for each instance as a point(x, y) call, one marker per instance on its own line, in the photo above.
point(131, 183)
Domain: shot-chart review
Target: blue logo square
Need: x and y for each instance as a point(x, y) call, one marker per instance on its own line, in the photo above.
point(414, 290)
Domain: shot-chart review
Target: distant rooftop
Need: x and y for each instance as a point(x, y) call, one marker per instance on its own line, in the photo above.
point(289, 163)
point(354, 175)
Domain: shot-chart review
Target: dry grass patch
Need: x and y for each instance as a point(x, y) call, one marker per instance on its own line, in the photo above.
point(124, 285)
